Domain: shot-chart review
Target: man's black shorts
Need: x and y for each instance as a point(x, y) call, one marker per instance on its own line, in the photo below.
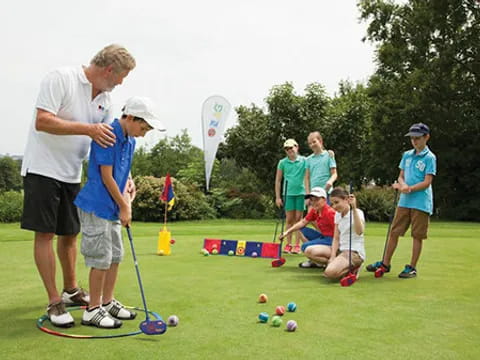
point(48, 205)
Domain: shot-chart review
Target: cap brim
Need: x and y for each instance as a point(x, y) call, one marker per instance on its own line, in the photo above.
point(308, 196)
point(156, 124)
point(413, 133)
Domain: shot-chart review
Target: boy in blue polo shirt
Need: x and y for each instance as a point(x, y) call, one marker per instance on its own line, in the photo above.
point(417, 169)
point(103, 209)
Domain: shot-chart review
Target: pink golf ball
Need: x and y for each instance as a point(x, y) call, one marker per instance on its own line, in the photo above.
point(291, 325)
point(280, 310)
point(254, 254)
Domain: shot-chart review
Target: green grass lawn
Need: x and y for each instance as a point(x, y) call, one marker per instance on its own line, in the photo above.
point(435, 316)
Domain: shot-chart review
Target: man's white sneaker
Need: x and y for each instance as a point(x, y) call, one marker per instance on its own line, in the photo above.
point(59, 316)
point(116, 309)
point(79, 297)
point(100, 318)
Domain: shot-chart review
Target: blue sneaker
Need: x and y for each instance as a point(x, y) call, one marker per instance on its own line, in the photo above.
point(373, 267)
point(408, 272)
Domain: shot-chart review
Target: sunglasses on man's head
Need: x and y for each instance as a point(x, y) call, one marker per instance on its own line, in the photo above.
point(288, 148)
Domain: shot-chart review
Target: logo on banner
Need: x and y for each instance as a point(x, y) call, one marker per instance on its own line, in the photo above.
point(215, 111)
point(217, 108)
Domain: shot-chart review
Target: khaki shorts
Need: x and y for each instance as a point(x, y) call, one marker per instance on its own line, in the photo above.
point(356, 259)
point(406, 216)
point(102, 243)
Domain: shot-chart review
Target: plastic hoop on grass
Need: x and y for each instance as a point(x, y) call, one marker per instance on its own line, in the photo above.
point(42, 319)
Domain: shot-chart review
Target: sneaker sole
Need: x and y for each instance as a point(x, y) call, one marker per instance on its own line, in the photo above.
point(65, 326)
point(76, 304)
point(119, 318)
point(88, 323)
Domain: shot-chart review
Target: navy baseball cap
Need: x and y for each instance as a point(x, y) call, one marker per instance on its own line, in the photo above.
point(418, 130)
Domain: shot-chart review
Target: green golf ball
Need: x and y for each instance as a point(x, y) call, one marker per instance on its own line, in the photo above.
point(276, 321)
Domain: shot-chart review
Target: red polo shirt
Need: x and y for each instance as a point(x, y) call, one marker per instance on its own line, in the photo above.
point(324, 220)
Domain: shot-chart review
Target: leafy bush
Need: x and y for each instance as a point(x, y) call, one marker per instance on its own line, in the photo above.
point(190, 202)
point(241, 205)
point(11, 205)
point(376, 202)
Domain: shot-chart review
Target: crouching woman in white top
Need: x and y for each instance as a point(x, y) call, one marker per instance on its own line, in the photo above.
point(338, 264)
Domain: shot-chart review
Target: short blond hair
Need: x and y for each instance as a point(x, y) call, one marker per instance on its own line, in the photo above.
point(115, 55)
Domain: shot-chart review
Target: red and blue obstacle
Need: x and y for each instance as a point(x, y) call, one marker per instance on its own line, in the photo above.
point(242, 248)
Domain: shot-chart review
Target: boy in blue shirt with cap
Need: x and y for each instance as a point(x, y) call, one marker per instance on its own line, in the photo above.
point(103, 209)
point(417, 169)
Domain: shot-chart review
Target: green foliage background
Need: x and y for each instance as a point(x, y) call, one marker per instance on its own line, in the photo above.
point(428, 67)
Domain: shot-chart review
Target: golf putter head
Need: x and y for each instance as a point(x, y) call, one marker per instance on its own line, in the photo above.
point(278, 262)
point(380, 272)
point(348, 280)
point(153, 327)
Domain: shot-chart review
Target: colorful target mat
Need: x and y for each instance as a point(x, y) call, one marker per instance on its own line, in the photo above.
point(242, 248)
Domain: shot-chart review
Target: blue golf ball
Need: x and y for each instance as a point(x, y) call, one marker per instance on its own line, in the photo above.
point(291, 307)
point(263, 317)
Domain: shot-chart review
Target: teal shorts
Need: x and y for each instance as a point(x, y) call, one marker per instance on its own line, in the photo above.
point(295, 202)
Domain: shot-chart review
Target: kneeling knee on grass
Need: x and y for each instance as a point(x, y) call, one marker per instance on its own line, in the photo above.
point(340, 266)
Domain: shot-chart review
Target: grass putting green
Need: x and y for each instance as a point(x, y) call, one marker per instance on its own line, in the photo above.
point(435, 316)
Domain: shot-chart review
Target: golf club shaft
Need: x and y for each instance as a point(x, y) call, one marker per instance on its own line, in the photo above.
point(283, 218)
point(138, 271)
point(395, 199)
point(350, 265)
point(350, 243)
point(275, 233)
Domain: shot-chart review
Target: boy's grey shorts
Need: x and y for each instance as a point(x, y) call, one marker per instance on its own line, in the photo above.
point(101, 241)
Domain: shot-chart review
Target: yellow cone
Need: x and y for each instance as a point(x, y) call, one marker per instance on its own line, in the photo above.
point(163, 246)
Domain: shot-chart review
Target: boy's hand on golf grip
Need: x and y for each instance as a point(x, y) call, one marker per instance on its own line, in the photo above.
point(352, 201)
point(282, 235)
point(125, 215)
point(279, 202)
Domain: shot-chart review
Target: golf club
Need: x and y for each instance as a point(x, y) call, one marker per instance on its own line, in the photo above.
point(381, 271)
point(351, 277)
point(276, 226)
point(148, 327)
point(281, 260)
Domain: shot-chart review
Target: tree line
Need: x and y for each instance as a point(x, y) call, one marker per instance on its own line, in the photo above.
point(428, 66)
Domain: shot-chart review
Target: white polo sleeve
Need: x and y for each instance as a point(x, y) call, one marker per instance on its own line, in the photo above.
point(52, 92)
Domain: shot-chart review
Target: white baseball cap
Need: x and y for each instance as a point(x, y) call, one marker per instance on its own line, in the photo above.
point(143, 107)
point(317, 192)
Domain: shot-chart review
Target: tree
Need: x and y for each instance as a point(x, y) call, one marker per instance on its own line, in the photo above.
point(167, 156)
point(428, 71)
point(256, 143)
point(10, 178)
point(348, 133)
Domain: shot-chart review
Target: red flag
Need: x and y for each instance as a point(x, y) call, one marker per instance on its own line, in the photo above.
point(167, 195)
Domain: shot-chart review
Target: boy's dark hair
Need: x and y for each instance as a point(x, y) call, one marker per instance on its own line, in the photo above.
point(339, 193)
point(135, 118)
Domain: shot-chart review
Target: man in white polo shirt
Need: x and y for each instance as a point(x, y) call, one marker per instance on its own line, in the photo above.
point(72, 109)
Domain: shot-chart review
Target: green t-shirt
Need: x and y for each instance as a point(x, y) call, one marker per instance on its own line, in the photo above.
point(294, 173)
point(319, 166)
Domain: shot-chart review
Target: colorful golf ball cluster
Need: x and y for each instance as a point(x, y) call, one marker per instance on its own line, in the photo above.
point(277, 321)
point(213, 252)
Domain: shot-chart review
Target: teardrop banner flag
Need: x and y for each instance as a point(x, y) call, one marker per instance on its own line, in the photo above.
point(215, 112)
